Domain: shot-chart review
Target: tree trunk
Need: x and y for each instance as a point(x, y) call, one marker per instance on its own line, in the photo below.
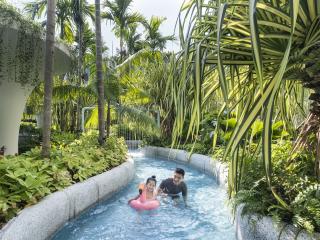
point(121, 45)
point(317, 160)
point(48, 77)
point(61, 30)
point(80, 72)
point(310, 126)
point(99, 74)
point(167, 125)
point(74, 118)
point(63, 117)
point(108, 118)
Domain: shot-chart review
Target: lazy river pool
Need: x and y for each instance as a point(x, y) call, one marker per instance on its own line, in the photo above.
point(207, 216)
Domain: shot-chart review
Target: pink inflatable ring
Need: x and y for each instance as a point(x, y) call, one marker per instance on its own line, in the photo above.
point(145, 205)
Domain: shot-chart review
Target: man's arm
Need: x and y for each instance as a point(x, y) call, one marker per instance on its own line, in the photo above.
point(160, 188)
point(185, 193)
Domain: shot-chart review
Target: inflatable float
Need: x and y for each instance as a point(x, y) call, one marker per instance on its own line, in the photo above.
point(146, 205)
point(142, 203)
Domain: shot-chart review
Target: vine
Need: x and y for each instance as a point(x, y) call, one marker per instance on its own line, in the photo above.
point(20, 62)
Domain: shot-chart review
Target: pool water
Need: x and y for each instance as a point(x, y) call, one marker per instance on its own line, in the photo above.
point(206, 217)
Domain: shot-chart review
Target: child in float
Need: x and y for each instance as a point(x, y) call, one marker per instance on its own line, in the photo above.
point(147, 198)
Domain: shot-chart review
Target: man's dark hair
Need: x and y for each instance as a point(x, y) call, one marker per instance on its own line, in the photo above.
point(180, 171)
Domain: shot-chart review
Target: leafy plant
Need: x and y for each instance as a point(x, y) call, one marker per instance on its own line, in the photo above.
point(294, 181)
point(251, 56)
point(27, 178)
point(196, 148)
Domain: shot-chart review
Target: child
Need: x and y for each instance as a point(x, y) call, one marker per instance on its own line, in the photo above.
point(147, 191)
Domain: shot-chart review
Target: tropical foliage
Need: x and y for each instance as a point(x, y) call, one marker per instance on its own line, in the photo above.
point(76, 90)
point(27, 178)
point(244, 89)
point(255, 62)
point(154, 38)
point(294, 181)
point(118, 13)
point(133, 99)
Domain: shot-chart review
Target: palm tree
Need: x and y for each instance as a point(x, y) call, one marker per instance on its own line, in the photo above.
point(63, 15)
point(80, 9)
point(154, 38)
point(133, 39)
point(48, 76)
point(69, 13)
point(112, 90)
point(118, 13)
point(99, 74)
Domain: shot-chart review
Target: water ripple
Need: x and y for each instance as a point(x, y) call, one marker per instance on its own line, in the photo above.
point(206, 218)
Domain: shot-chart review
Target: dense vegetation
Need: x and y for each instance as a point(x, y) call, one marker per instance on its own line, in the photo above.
point(75, 156)
point(295, 182)
point(244, 88)
point(27, 178)
point(247, 84)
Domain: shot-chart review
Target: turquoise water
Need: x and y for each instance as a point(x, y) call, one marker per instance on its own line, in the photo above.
point(207, 216)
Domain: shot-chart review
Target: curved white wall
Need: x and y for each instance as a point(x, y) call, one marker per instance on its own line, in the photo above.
point(21, 69)
point(12, 104)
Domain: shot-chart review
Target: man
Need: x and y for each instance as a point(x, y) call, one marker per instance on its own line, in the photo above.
point(173, 186)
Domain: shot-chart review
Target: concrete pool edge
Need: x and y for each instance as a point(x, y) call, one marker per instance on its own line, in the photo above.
point(42, 220)
point(247, 227)
point(253, 227)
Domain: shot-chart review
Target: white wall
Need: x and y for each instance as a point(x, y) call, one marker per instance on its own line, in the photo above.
point(17, 67)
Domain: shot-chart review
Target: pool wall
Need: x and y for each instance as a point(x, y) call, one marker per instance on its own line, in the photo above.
point(247, 227)
point(40, 221)
point(252, 227)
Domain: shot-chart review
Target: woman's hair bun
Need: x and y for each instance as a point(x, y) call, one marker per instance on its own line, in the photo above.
point(152, 178)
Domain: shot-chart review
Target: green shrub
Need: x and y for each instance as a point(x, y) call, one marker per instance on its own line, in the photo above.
point(218, 153)
point(156, 141)
point(30, 137)
point(61, 139)
point(27, 178)
point(293, 180)
point(196, 148)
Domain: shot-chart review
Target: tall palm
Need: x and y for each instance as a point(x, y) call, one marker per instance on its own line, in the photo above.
point(154, 39)
point(112, 90)
point(48, 76)
point(69, 13)
point(133, 39)
point(118, 13)
point(63, 15)
point(99, 74)
point(80, 9)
